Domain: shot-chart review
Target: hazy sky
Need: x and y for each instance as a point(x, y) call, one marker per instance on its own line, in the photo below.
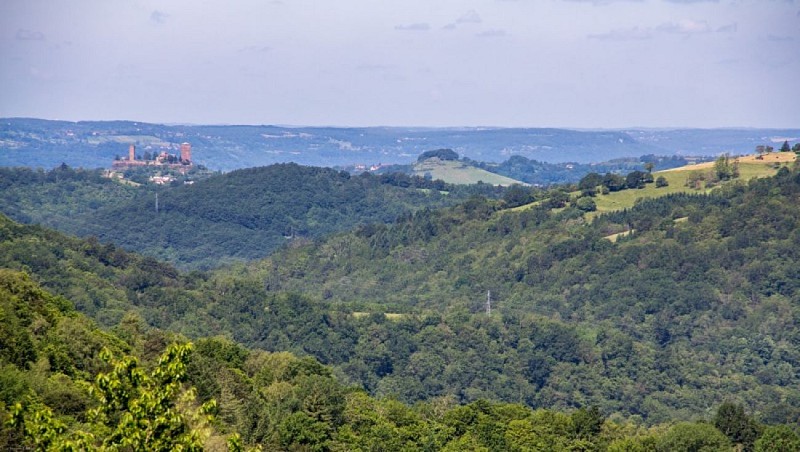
point(533, 63)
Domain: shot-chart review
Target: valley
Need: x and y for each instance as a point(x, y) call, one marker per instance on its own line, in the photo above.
point(660, 307)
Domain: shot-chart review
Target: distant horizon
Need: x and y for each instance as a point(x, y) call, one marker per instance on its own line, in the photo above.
point(451, 127)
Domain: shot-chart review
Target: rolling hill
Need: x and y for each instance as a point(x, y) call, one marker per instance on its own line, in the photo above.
point(459, 172)
point(658, 325)
point(241, 215)
point(92, 144)
point(68, 384)
point(678, 179)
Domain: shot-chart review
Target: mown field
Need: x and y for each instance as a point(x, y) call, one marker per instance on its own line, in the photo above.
point(749, 168)
point(454, 172)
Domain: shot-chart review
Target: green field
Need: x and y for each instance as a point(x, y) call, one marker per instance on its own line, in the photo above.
point(677, 184)
point(454, 172)
point(749, 168)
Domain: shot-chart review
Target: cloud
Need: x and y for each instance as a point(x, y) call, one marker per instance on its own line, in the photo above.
point(373, 67)
point(685, 27)
point(255, 49)
point(691, 1)
point(601, 2)
point(624, 34)
point(469, 17)
point(383, 72)
point(159, 17)
point(492, 33)
point(776, 38)
point(39, 74)
point(29, 35)
point(729, 62)
point(421, 26)
point(730, 28)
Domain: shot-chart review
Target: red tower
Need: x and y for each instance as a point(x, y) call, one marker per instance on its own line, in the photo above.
point(186, 153)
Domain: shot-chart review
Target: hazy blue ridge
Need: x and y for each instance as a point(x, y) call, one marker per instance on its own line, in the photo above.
point(45, 143)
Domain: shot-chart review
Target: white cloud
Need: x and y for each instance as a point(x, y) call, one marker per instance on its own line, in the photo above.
point(159, 17)
point(421, 26)
point(256, 49)
point(469, 17)
point(776, 38)
point(492, 33)
point(692, 1)
point(685, 27)
point(602, 2)
point(624, 34)
point(29, 35)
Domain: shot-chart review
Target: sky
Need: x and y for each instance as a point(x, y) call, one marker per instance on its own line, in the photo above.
point(503, 63)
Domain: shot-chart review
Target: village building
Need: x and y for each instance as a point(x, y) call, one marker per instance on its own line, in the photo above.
point(181, 162)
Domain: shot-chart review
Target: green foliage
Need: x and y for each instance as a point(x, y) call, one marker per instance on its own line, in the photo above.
point(517, 195)
point(586, 204)
point(136, 410)
point(586, 424)
point(694, 305)
point(725, 169)
point(585, 175)
point(590, 181)
point(441, 154)
point(661, 181)
point(737, 425)
point(664, 278)
point(633, 444)
point(242, 215)
point(778, 438)
point(700, 437)
point(614, 182)
point(636, 179)
point(102, 281)
point(557, 199)
point(60, 198)
point(279, 401)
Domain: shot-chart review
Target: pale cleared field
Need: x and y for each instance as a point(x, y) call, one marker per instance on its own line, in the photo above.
point(749, 168)
point(389, 315)
point(454, 172)
point(614, 237)
point(775, 157)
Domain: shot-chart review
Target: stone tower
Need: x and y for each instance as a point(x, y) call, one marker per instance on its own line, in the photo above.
point(132, 153)
point(186, 153)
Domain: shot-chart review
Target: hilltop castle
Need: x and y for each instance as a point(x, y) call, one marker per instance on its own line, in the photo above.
point(181, 162)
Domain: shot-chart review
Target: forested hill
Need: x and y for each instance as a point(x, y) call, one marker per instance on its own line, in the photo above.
point(698, 306)
point(544, 173)
point(68, 385)
point(240, 215)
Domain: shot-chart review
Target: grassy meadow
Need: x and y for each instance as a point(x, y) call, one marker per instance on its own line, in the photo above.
point(749, 168)
point(455, 172)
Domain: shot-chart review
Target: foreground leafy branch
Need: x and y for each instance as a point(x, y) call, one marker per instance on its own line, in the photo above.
point(137, 410)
